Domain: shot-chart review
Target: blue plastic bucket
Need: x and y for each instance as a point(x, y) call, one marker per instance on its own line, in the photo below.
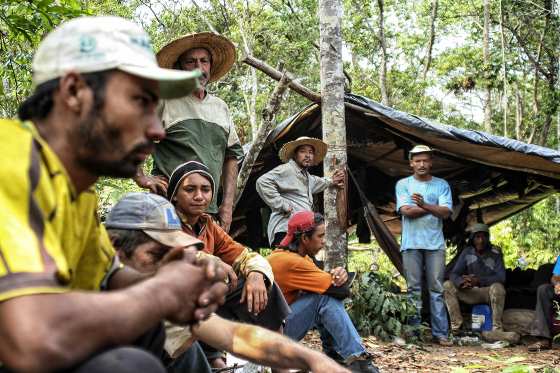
point(481, 317)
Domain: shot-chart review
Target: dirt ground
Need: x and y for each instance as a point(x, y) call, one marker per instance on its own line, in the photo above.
point(392, 358)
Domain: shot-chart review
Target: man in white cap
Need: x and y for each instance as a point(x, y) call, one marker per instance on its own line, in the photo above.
point(92, 114)
point(199, 126)
point(424, 201)
point(290, 187)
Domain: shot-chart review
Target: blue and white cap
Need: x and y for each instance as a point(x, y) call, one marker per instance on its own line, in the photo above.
point(152, 214)
point(92, 44)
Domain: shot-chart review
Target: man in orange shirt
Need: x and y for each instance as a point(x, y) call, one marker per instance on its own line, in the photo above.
point(314, 295)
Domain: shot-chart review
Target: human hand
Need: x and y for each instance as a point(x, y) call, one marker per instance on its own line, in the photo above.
point(230, 275)
point(192, 292)
point(156, 184)
point(339, 276)
point(475, 281)
point(224, 214)
point(466, 284)
point(418, 199)
point(289, 211)
point(339, 178)
point(557, 289)
point(255, 293)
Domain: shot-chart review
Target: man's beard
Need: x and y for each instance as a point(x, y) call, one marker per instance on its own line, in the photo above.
point(98, 136)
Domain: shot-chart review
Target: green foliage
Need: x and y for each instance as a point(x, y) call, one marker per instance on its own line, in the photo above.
point(22, 25)
point(376, 310)
point(532, 235)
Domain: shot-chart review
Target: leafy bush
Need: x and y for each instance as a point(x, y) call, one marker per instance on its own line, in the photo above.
point(377, 310)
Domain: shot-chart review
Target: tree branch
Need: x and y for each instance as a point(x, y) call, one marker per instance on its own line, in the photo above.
point(258, 142)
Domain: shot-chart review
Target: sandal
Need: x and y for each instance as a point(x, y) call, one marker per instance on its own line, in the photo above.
point(540, 345)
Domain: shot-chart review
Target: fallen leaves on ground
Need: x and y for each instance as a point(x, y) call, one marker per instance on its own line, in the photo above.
point(428, 358)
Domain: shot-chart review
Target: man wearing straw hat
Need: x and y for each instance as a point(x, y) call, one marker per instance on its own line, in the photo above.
point(290, 187)
point(199, 126)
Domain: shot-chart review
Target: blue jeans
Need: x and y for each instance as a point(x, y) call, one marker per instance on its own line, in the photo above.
point(433, 261)
point(328, 315)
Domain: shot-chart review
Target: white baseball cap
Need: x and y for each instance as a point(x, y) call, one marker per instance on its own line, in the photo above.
point(91, 44)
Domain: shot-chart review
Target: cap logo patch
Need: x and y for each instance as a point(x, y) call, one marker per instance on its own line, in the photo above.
point(172, 219)
point(87, 44)
point(142, 42)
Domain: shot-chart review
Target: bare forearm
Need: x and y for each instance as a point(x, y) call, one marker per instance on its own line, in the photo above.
point(229, 175)
point(64, 329)
point(439, 211)
point(271, 349)
point(413, 211)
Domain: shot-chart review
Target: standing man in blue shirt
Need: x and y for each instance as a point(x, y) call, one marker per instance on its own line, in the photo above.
point(547, 295)
point(424, 201)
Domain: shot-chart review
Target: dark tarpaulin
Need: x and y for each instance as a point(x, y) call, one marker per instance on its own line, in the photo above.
point(492, 177)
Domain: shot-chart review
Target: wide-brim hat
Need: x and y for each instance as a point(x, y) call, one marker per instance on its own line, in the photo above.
point(220, 48)
point(287, 150)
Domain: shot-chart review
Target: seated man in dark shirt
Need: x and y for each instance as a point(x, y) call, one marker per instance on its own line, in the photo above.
point(478, 276)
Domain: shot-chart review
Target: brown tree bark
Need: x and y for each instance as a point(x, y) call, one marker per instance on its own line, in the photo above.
point(486, 59)
point(432, 38)
point(334, 129)
point(385, 100)
point(504, 72)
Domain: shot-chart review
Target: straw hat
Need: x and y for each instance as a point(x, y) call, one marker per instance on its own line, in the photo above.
point(287, 150)
point(221, 49)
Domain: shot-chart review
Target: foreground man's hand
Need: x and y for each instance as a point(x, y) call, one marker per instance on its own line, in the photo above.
point(255, 293)
point(191, 292)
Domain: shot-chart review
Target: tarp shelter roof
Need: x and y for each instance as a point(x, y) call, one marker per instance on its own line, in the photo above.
point(492, 177)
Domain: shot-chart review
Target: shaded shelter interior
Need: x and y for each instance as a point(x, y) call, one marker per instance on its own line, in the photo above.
point(492, 178)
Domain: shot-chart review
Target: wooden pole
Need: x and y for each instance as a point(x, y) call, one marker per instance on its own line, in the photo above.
point(334, 129)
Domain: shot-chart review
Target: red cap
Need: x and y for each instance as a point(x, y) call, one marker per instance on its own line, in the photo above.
point(302, 221)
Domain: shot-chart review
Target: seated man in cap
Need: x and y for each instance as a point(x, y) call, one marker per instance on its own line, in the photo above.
point(92, 114)
point(199, 126)
point(290, 187)
point(146, 232)
point(313, 294)
point(478, 276)
point(547, 296)
point(254, 297)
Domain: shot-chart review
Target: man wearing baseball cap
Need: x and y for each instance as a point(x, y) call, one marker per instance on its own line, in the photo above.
point(424, 201)
point(145, 230)
point(314, 295)
point(290, 187)
point(92, 114)
point(478, 276)
point(199, 126)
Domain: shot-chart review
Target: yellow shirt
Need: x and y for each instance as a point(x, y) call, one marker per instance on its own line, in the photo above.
point(51, 240)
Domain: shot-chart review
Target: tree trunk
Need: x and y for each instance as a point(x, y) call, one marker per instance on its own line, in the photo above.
point(431, 40)
point(518, 113)
point(383, 68)
point(486, 60)
point(334, 129)
point(504, 72)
